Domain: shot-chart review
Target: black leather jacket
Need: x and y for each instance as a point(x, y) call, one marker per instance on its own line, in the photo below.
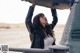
point(36, 35)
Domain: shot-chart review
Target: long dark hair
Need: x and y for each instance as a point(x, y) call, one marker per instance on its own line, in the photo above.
point(36, 20)
point(37, 24)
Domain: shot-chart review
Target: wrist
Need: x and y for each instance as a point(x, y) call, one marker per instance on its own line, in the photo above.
point(33, 5)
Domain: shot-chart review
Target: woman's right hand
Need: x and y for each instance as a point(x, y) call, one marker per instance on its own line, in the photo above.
point(33, 3)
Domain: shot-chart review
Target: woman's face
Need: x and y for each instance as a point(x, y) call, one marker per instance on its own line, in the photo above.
point(43, 20)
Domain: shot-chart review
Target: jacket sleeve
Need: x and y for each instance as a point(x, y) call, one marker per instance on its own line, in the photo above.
point(28, 22)
point(55, 19)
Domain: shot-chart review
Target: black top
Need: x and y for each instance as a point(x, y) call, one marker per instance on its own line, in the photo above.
point(36, 35)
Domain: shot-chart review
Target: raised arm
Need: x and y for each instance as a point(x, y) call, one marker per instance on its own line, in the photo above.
point(55, 18)
point(28, 22)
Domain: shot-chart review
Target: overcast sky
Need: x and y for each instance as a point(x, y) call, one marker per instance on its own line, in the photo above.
point(15, 11)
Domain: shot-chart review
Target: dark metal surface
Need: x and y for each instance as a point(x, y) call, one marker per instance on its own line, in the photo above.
point(58, 4)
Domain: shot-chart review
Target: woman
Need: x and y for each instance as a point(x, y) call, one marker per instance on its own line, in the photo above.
point(41, 33)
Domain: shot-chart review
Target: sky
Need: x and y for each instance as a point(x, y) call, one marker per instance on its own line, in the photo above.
point(15, 11)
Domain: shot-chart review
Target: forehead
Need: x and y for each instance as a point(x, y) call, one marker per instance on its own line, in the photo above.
point(43, 17)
